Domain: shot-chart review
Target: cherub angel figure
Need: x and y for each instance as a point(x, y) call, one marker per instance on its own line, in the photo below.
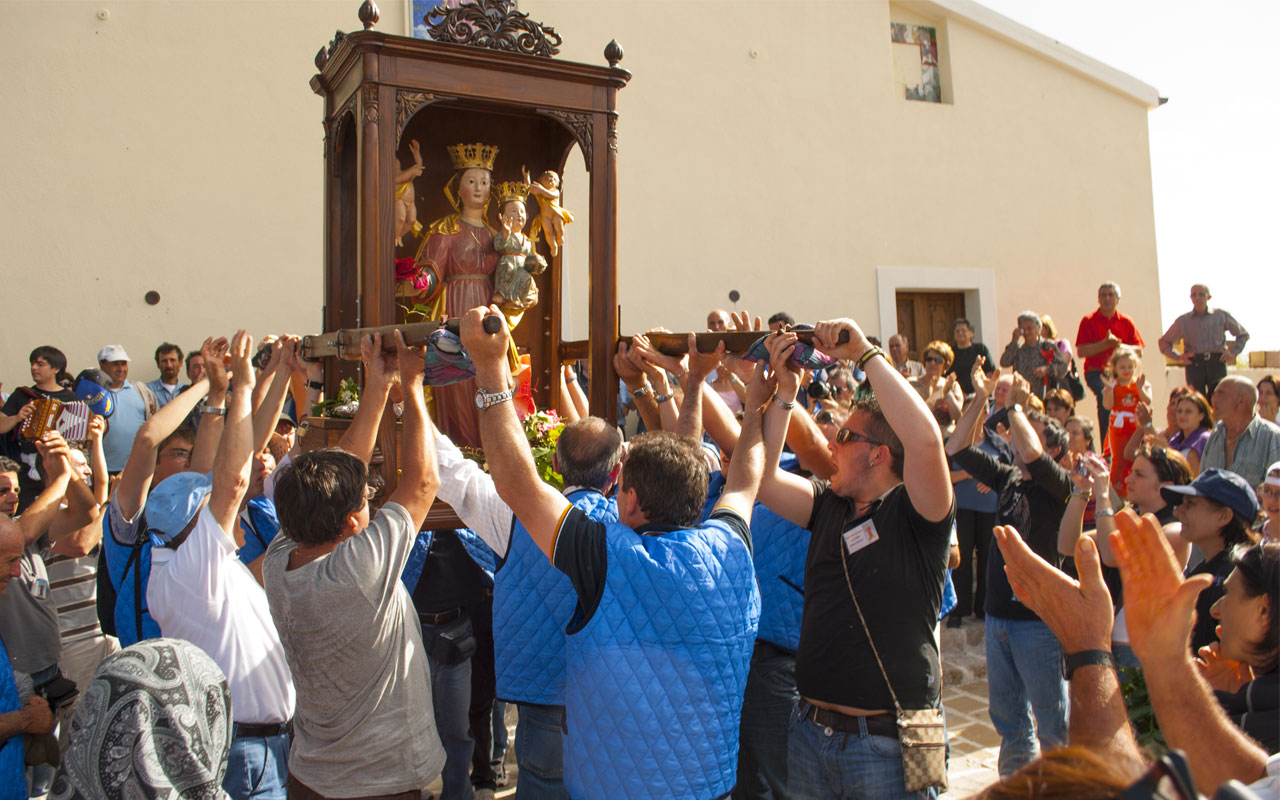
point(406, 205)
point(551, 217)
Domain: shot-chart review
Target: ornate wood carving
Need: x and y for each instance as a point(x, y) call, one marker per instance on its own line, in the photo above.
point(613, 52)
point(578, 122)
point(369, 102)
point(334, 129)
point(613, 131)
point(369, 14)
point(495, 25)
point(409, 103)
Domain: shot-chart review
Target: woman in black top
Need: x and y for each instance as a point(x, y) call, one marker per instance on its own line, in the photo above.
point(966, 354)
point(1248, 646)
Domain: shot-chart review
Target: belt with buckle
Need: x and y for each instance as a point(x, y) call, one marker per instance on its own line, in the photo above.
point(441, 618)
point(245, 731)
point(882, 724)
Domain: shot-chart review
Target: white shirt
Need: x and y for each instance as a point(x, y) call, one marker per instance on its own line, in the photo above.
point(471, 493)
point(201, 592)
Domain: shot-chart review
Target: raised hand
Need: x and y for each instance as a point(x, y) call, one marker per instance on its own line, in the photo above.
point(241, 359)
point(412, 363)
point(978, 376)
point(672, 364)
point(379, 367)
point(701, 364)
point(1078, 612)
point(627, 370)
point(741, 321)
point(56, 454)
point(97, 427)
point(214, 352)
point(761, 388)
point(826, 337)
point(482, 346)
point(781, 345)
point(1160, 607)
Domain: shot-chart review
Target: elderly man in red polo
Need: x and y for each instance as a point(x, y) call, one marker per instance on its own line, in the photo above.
point(1099, 334)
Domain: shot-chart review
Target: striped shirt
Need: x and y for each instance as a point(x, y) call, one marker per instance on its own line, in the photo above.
point(1206, 333)
point(73, 582)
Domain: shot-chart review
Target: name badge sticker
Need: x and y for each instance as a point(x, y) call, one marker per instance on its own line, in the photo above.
point(860, 536)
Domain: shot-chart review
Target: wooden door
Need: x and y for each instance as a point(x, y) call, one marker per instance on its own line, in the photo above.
point(926, 316)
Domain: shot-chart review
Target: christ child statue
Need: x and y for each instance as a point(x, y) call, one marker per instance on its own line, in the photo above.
point(406, 203)
point(513, 285)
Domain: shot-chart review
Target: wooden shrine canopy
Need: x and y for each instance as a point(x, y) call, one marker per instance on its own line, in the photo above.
point(488, 76)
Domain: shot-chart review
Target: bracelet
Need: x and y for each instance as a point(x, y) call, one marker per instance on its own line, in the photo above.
point(317, 385)
point(785, 405)
point(867, 356)
point(1103, 512)
point(680, 375)
point(641, 392)
point(217, 412)
point(662, 398)
point(1082, 493)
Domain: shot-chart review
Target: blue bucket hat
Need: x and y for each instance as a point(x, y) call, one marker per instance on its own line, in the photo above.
point(1219, 485)
point(174, 503)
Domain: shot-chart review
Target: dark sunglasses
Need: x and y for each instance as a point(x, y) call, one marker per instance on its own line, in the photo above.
point(844, 436)
point(934, 360)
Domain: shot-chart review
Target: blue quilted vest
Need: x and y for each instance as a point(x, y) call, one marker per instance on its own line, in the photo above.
point(657, 674)
point(129, 569)
point(780, 548)
point(13, 767)
point(473, 544)
point(532, 605)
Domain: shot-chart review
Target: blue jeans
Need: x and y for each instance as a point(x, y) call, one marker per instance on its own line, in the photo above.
point(451, 697)
point(540, 753)
point(258, 768)
point(823, 763)
point(762, 737)
point(1024, 676)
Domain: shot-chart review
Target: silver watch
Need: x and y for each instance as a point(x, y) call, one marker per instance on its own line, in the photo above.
point(485, 399)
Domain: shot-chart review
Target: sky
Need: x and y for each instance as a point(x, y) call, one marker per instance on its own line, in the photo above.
point(1214, 165)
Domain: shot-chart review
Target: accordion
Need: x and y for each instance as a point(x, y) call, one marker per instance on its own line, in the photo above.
point(70, 419)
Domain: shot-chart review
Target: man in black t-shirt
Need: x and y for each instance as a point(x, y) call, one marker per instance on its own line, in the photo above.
point(658, 649)
point(46, 363)
point(1023, 657)
point(881, 529)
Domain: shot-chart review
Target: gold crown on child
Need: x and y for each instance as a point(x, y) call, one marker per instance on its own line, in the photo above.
point(473, 156)
point(507, 191)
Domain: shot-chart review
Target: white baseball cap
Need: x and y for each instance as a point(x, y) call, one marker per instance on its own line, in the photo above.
point(112, 352)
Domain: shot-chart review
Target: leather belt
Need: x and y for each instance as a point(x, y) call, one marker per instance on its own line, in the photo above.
point(441, 618)
point(877, 725)
point(245, 731)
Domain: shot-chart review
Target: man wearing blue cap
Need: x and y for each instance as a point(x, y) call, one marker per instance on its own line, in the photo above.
point(1217, 510)
point(200, 591)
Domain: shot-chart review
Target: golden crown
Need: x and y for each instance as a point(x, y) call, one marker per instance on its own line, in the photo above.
point(507, 191)
point(473, 156)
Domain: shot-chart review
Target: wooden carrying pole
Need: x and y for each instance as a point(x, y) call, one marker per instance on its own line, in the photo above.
point(345, 343)
point(736, 342)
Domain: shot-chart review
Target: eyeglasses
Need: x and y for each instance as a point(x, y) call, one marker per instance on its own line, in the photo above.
point(1169, 778)
point(185, 455)
point(370, 491)
point(844, 436)
point(934, 360)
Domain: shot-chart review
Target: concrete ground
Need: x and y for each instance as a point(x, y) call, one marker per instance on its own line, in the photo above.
point(975, 745)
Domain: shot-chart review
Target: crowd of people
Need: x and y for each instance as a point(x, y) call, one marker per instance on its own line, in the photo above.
point(742, 599)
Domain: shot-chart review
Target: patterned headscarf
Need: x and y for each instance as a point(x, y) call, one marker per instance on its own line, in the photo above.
point(155, 722)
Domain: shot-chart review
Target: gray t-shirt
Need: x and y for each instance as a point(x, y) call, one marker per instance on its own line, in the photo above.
point(29, 617)
point(363, 723)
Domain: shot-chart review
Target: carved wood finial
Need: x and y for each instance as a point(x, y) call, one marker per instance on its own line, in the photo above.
point(613, 52)
point(369, 14)
point(493, 25)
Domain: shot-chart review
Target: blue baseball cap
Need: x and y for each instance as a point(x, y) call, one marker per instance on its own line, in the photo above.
point(174, 503)
point(93, 387)
point(1221, 486)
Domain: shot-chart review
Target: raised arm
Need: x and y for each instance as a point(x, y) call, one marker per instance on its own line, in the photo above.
point(379, 375)
point(419, 478)
point(720, 423)
point(506, 448)
point(1080, 614)
point(135, 478)
point(924, 468)
point(807, 441)
point(235, 448)
point(37, 517)
point(212, 417)
point(1025, 439)
point(641, 391)
point(266, 415)
point(743, 480)
point(644, 356)
point(700, 366)
point(966, 427)
point(789, 496)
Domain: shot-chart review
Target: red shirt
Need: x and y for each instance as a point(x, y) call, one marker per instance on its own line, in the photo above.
point(1095, 327)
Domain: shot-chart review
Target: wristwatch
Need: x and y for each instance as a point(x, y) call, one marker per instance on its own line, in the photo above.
point(1074, 661)
point(485, 399)
point(662, 398)
point(220, 412)
point(1017, 407)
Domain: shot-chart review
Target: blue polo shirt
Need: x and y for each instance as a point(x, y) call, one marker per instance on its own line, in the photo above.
point(163, 393)
point(130, 413)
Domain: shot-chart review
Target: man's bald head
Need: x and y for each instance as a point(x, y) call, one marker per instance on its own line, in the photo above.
point(1234, 399)
point(11, 545)
point(587, 453)
point(718, 320)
